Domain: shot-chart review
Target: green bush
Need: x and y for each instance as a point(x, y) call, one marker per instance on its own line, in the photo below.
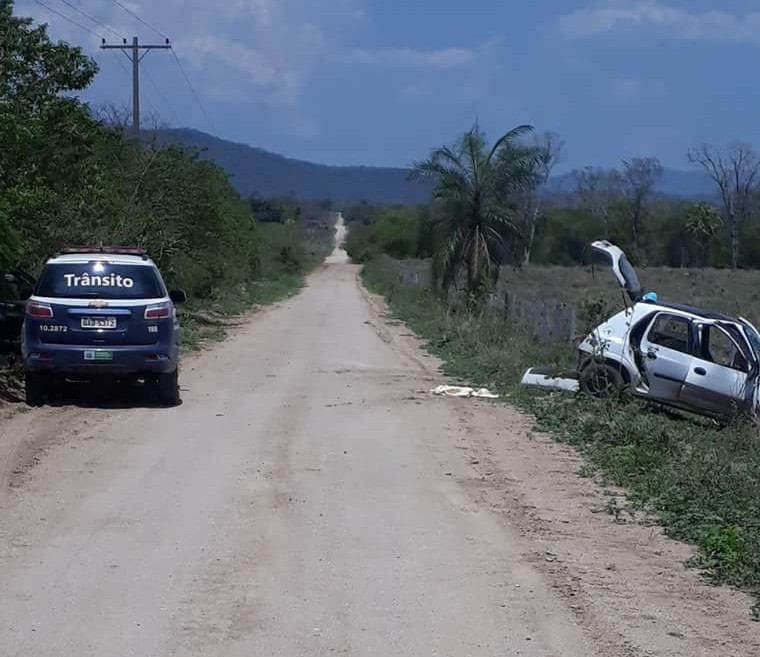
point(66, 178)
point(394, 231)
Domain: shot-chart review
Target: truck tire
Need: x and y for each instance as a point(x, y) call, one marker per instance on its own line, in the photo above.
point(37, 386)
point(167, 388)
point(601, 380)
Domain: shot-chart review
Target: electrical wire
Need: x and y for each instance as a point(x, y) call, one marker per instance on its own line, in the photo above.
point(67, 18)
point(151, 27)
point(92, 18)
point(153, 106)
point(195, 93)
point(126, 71)
point(136, 16)
point(164, 99)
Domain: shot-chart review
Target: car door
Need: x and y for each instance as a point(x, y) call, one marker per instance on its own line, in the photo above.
point(718, 377)
point(666, 350)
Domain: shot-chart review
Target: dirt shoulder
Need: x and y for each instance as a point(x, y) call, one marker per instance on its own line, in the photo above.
point(621, 576)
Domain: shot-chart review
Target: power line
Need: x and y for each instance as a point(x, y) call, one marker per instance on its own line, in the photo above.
point(124, 68)
point(195, 93)
point(66, 18)
point(133, 53)
point(134, 57)
point(163, 97)
point(144, 22)
point(92, 18)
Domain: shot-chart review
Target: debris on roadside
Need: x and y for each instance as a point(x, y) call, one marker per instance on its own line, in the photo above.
point(546, 378)
point(463, 391)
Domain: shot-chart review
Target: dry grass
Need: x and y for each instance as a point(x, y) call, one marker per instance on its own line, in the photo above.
point(734, 293)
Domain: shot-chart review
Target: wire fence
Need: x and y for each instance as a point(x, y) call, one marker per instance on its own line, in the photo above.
point(545, 319)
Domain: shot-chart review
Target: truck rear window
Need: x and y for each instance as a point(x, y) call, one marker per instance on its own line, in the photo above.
point(100, 280)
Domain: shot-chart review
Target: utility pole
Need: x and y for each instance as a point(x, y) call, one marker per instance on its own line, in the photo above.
point(133, 55)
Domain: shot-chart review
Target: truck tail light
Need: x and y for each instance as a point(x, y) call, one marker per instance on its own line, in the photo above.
point(39, 310)
point(159, 311)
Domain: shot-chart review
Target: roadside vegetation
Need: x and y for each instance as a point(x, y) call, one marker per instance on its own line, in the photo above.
point(68, 177)
point(700, 480)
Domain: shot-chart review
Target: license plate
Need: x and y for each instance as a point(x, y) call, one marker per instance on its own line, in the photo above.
point(98, 322)
point(98, 355)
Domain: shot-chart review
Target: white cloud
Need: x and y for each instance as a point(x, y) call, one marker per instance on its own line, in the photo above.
point(714, 25)
point(444, 59)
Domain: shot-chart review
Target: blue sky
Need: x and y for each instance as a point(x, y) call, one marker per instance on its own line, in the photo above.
point(380, 82)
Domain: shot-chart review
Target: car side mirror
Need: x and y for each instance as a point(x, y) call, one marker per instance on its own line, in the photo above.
point(177, 296)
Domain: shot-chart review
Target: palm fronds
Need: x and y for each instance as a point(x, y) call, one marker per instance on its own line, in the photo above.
point(475, 185)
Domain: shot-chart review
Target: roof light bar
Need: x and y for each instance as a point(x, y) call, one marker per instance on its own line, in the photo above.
point(112, 250)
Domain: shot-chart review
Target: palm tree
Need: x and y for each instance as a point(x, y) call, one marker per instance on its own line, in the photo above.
point(702, 222)
point(476, 188)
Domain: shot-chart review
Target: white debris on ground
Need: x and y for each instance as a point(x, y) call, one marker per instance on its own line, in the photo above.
point(545, 379)
point(463, 391)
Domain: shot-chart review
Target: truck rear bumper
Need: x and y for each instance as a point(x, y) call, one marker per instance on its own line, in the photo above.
point(88, 362)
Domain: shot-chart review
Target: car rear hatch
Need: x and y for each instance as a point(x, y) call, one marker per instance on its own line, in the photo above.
point(100, 304)
point(615, 258)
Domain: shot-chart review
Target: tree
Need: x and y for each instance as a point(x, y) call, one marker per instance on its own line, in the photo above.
point(547, 150)
point(596, 190)
point(476, 186)
point(267, 211)
point(36, 71)
point(735, 172)
point(65, 177)
point(702, 222)
point(640, 175)
point(45, 136)
point(120, 117)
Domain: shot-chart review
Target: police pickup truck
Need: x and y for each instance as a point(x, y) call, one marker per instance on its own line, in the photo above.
point(101, 312)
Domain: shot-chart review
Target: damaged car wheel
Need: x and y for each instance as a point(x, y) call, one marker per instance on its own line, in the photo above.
point(601, 380)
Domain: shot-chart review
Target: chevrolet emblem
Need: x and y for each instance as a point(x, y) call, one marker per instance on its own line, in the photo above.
point(99, 304)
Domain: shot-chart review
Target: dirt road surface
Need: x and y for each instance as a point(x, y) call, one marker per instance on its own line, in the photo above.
point(311, 498)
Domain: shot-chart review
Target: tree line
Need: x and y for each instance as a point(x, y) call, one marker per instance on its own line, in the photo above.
point(69, 177)
point(493, 205)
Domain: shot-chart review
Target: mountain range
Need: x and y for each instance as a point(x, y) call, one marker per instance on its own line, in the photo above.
point(255, 171)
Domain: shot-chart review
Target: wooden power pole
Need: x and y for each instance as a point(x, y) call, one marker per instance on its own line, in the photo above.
point(133, 54)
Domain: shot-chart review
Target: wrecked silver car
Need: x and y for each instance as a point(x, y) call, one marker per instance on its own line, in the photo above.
point(696, 360)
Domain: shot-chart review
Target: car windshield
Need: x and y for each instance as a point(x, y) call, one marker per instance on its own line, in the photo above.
point(100, 280)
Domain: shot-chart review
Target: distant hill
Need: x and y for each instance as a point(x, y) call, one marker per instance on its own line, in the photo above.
point(257, 171)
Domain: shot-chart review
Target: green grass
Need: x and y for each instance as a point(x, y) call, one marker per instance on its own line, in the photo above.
point(208, 322)
point(701, 481)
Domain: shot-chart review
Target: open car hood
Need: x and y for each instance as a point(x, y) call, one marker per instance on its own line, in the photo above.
point(621, 267)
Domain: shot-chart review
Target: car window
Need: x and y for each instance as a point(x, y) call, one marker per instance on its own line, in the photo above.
point(671, 332)
point(101, 280)
point(721, 350)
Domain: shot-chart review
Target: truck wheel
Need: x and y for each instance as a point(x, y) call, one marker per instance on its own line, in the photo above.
point(36, 388)
point(167, 388)
point(601, 380)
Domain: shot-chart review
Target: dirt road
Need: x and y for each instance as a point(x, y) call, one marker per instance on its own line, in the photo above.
point(311, 498)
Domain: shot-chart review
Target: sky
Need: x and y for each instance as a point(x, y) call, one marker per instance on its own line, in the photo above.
point(381, 82)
